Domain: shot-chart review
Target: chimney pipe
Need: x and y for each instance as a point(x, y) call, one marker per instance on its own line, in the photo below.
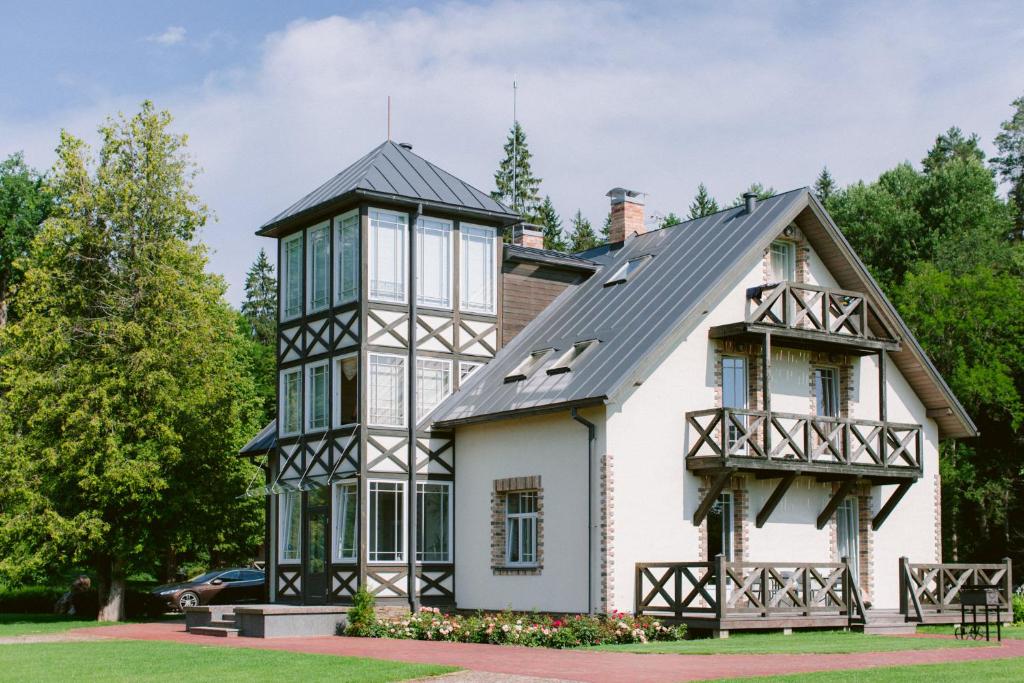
point(750, 201)
point(405, 145)
point(528, 235)
point(627, 214)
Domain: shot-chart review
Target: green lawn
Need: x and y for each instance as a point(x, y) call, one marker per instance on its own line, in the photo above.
point(1016, 631)
point(992, 671)
point(119, 660)
point(36, 624)
point(801, 642)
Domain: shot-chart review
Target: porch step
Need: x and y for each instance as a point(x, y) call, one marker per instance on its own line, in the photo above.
point(901, 629)
point(217, 631)
point(223, 623)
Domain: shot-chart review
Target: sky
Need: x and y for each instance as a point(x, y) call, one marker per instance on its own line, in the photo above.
point(278, 97)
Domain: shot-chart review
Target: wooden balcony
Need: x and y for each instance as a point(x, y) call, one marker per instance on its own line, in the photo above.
point(811, 317)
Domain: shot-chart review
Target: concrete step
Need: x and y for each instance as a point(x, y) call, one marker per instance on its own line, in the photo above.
point(217, 631)
point(223, 623)
point(889, 629)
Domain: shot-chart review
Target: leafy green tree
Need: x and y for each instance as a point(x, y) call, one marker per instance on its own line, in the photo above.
point(670, 220)
point(516, 185)
point(260, 304)
point(582, 236)
point(550, 221)
point(703, 203)
point(24, 204)
point(824, 186)
point(122, 396)
point(1010, 162)
point(760, 190)
point(953, 144)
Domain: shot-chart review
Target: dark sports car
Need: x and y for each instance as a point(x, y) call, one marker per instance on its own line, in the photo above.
point(220, 587)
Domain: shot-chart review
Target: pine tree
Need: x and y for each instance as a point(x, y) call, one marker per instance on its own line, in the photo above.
point(1010, 162)
point(953, 144)
point(703, 203)
point(582, 236)
point(516, 185)
point(670, 220)
point(760, 190)
point(260, 305)
point(549, 220)
point(824, 186)
point(606, 229)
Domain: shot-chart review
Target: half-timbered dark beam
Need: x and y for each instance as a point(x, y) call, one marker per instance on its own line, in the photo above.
point(775, 498)
point(712, 495)
point(837, 498)
point(890, 505)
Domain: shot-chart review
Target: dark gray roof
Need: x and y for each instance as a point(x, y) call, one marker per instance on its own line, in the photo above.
point(631, 320)
point(391, 170)
point(518, 252)
point(264, 442)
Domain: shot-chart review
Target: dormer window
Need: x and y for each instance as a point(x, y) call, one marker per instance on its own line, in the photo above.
point(570, 357)
point(529, 365)
point(628, 270)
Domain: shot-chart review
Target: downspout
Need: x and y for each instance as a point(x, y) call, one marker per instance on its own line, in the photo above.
point(591, 449)
point(411, 498)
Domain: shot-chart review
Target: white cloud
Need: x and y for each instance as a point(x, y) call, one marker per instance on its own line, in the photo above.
point(657, 100)
point(172, 36)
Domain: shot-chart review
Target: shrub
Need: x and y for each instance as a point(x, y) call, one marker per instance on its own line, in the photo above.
point(361, 619)
point(1018, 608)
point(42, 599)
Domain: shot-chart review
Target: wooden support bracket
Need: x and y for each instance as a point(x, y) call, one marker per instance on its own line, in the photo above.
point(890, 504)
point(837, 498)
point(776, 497)
point(712, 495)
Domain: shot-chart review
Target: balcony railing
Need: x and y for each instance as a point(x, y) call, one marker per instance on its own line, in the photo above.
point(789, 441)
point(810, 308)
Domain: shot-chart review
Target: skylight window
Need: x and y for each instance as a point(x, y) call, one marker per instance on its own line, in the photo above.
point(570, 357)
point(628, 270)
point(529, 365)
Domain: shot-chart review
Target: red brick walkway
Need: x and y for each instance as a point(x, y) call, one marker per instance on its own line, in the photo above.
point(572, 665)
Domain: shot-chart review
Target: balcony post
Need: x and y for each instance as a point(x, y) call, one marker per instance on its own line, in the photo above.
point(766, 394)
point(882, 409)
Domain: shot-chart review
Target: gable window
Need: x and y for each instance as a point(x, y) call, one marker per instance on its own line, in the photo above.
point(346, 258)
point(826, 392)
point(477, 267)
point(529, 365)
point(387, 255)
point(318, 266)
point(433, 384)
point(433, 542)
point(386, 400)
point(290, 526)
point(318, 387)
point(386, 539)
point(782, 257)
point(345, 514)
point(434, 263)
point(346, 390)
point(628, 269)
point(569, 358)
point(521, 528)
point(466, 368)
point(291, 401)
point(291, 276)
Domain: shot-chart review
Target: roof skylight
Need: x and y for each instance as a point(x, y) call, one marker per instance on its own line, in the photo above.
point(628, 270)
point(528, 366)
point(569, 358)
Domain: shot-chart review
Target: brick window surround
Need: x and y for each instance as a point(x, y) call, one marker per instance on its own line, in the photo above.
point(499, 493)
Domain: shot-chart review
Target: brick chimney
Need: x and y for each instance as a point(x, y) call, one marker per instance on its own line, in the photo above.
point(627, 214)
point(528, 235)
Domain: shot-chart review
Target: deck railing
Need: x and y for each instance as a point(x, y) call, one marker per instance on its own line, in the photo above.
point(803, 439)
point(935, 588)
point(809, 307)
point(747, 590)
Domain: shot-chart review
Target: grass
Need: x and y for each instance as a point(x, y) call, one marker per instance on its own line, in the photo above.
point(991, 671)
point(37, 624)
point(1016, 631)
point(119, 660)
point(801, 642)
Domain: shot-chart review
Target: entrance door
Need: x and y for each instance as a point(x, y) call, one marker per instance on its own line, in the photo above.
point(720, 535)
point(847, 535)
point(314, 578)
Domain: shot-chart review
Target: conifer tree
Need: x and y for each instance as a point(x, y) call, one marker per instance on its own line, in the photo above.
point(582, 236)
point(1010, 162)
point(260, 305)
point(606, 229)
point(670, 220)
point(953, 144)
point(824, 186)
point(760, 190)
point(703, 203)
point(24, 203)
point(517, 187)
point(550, 221)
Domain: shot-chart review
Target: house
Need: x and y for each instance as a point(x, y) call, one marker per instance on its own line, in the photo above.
point(725, 414)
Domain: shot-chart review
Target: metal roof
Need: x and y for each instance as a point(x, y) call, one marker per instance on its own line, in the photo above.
point(264, 442)
point(517, 252)
point(391, 170)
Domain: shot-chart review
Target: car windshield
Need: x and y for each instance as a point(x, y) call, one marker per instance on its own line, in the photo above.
point(204, 577)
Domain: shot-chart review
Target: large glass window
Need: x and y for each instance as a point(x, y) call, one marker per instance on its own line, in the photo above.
point(345, 515)
point(387, 521)
point(720, 535)
point(346, 258)
point(521, 528)
point(318, 267)
point(783, 261)
point(434, 263)
point(826, 392)
point(433, 542)
point(387, 255)
point(387, 390)
point(346, 390)
point(477, 266)
point(433, 384)
point(290, 525)
point(317, 389)
point(291, 401)
point(291, 277)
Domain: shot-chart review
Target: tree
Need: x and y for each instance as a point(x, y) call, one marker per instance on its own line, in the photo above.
point(1010, 162)
point(760, 190)
point(582, 236)
point(121, 394)
point(953, 145)
point(703, 203)
point(516, 185)
point(824, 186)
point(606, 229)
point(260, 304)
point(670, 220)
point(550, 221)
point(24, 204)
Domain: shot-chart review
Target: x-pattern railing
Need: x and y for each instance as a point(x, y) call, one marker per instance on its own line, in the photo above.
point(937, 587)
point(810, 307)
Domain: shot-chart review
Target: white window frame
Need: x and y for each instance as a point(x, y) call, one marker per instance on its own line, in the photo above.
point(286, 276)
point(520, 518)
point(336, 388)
point(336, 554)
point(311, 233)
point(419, 520)
point(308, 394)
point(728, 527)
point(745, 386)
point(343, 265)
point(469, 231)
point(401, 522)
point(283, 406)
point(447, 365)
point(848, 521)
point(790, 265)
point(833, 389)
point(467, 368)
point(403, 219)
point(370, 390)
point(444, 227)
point(281, 557)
